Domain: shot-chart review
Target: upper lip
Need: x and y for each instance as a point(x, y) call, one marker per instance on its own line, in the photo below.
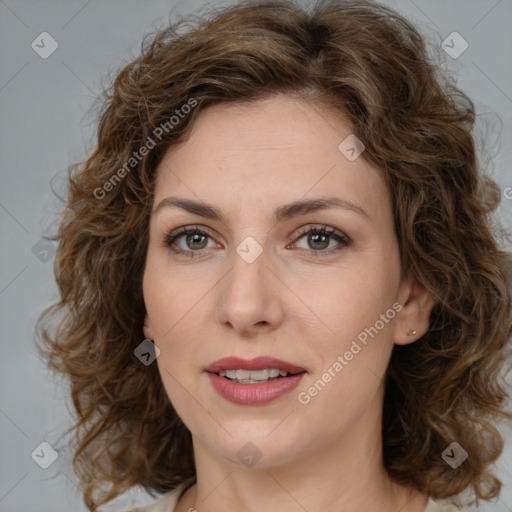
point(258, 363)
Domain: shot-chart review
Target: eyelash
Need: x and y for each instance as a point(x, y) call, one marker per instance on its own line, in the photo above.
point(342, 239)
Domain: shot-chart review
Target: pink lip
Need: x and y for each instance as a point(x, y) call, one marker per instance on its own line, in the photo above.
point(258, 363)
point(254, 394)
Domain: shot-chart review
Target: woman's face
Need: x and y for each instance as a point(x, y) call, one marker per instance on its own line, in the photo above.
point(252, 283)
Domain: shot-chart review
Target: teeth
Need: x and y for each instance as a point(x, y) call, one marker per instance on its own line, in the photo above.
point(253, 375)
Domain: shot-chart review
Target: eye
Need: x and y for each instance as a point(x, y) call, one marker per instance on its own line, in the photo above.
point(320, 238)
point(194, 239)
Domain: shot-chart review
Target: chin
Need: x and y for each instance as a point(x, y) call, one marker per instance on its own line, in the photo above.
point(259, 446)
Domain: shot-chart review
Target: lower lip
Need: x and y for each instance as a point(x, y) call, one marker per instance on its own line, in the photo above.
point(254, 394)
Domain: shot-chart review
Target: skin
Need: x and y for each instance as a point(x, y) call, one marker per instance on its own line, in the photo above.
point(291, 303)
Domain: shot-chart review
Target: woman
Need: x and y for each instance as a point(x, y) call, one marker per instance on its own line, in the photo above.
point(287, 206)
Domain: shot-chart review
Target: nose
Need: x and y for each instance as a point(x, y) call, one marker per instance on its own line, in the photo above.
point(250, 300)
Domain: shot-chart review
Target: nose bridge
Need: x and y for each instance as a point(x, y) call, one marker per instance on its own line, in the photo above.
point(248, 297)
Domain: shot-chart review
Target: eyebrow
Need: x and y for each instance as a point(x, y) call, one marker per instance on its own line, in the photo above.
point(284, 212)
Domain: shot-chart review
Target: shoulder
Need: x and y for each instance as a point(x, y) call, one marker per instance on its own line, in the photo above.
point(165, 503)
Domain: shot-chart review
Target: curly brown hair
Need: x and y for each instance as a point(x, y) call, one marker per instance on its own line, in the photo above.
point(356, 57)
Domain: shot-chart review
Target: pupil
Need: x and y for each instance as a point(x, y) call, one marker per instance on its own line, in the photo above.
point(325, 237)
point(194, 237)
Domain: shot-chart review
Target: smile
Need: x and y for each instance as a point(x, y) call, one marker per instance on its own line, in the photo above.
point(254, 376)
point(253, 382)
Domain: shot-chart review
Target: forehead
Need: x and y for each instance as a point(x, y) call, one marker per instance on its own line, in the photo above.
point(267, 153)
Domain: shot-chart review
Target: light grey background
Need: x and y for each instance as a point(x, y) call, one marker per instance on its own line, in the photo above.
point(45, 126)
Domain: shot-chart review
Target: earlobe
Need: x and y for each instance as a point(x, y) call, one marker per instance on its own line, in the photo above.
point(413, 321)
point(146, 328)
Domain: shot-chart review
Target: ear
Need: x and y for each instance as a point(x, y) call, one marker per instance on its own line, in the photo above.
point(146, 328)
point(413, 320)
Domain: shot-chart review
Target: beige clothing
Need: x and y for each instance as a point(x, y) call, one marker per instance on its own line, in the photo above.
point(434, 506)
point(168, 502)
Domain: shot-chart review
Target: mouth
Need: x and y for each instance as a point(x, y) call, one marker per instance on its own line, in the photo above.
point(254, 382)
point(254, 371)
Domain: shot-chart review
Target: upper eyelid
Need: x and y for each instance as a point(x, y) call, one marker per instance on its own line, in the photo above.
point(303, 230)
point(305, 227)
point(189, 228)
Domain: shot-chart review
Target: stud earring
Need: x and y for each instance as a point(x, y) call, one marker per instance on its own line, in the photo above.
point(411, 333)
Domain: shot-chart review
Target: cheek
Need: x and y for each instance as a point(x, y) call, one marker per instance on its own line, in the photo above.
point(355, 351)
point(350, 372)
point(177, 309)
point(170, 300)
point(353, 300)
